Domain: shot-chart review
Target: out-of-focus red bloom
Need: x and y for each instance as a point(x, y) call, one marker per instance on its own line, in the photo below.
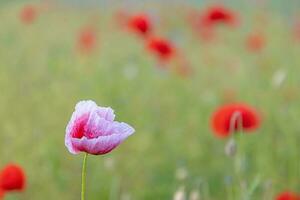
point(218, 14)
point(163, 49)
point(140, 24)
point(255, 42)
point(183, 67)
point(121, 17)
point(297, 30)
point(230, 118)
point(1, 194)
point(205, 22)
point(287, 196)
point(229, 95)
point(28, 14)
point(207, 34)
point(12, 178)
point(87, 40)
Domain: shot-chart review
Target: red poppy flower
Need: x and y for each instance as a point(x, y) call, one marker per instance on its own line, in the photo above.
point(140, 24)
point(183, 67)
point(218, 14)
point(1, 194)
point(28, 14)
point(229, 95)
point(121, 18)
point(287, 196)
point(230, 118)
point(255, 42)
point(12, 178)
point(207, 34)
point(296, 30)
point(162, 48)
point(87, 40)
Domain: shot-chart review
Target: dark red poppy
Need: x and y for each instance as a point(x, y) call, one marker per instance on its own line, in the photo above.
point(161, 48)
point(230, 118)
point(28, 14)
point(218, 14)
point(12, 178)
point(255, 42)
point(288, 196)
point(87, 40)
point(140, 24)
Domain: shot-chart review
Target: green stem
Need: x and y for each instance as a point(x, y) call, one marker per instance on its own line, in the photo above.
point(83, 176)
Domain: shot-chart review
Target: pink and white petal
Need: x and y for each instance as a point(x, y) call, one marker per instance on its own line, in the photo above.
point(69, 145)
point(122, 128)
point(85, 105)
point(106, 113)
point(101, 134)
point(96, 126)
point(100, 145)
point(82, 108)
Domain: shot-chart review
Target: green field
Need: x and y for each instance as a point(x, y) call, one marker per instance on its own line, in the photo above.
point(42, 77)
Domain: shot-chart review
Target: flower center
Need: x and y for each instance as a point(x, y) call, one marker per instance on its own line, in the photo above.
point(78, 130)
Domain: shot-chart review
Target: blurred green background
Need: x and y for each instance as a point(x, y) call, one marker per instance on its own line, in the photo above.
point(42, 77)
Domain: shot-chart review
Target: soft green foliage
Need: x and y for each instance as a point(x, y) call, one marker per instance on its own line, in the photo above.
point(42, 77)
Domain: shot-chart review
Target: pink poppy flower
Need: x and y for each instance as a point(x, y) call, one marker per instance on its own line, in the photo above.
point(92, 129)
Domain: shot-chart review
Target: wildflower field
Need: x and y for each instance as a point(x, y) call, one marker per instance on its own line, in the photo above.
point(212, 90)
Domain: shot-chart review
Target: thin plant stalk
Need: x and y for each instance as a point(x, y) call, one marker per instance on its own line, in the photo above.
point(83, 176)
point(237, 120)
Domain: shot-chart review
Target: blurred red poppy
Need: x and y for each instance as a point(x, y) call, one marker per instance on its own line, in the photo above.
point(255, 42)
point(121, 18)
point(163, 49)
point(1, 194)
point(218, 14)
point(205, 33)
point(231, 118)
point(205, 22)
point(87, 40)
point(229, 95)
point(12, 178)
point(28, 14)
point(140, 24)
point(288, 196)
point(296, 30)
point(183, 67)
